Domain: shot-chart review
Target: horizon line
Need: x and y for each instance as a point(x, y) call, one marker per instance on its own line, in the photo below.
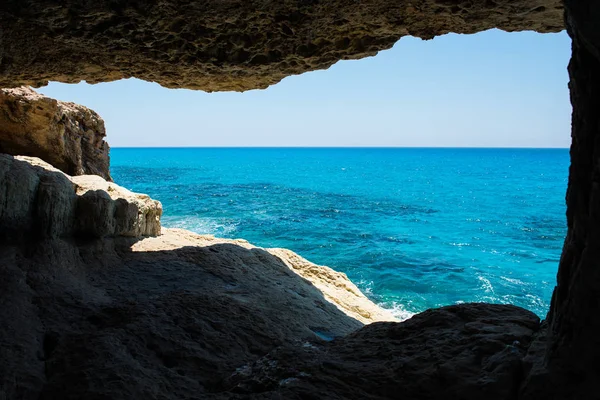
point(339, 147)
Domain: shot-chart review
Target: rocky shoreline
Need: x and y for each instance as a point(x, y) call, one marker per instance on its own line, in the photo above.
point(91, 282)
point(73, 326)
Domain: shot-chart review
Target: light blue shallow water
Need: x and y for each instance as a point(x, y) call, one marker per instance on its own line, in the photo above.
point(413, 228)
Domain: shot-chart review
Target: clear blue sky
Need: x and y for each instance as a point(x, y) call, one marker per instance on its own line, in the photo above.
point(492, 89)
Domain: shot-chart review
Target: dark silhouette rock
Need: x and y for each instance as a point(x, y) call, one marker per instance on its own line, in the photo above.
point(569, 367)
point(469, 351)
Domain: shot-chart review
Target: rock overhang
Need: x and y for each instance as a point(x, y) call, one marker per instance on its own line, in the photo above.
point(230, 45)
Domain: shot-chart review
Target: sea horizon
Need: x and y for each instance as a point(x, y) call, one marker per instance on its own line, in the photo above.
point(339, 147)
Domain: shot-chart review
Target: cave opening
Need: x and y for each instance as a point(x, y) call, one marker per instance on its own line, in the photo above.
point(501, 352)
point(425, 244)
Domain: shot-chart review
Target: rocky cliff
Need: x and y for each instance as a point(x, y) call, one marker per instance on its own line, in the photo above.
point(39, 201)
point(66, 135)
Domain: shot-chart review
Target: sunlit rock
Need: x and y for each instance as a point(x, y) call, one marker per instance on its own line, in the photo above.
point(68, 136)
point(39, 201)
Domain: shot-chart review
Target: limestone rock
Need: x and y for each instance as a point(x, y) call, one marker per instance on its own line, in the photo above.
point(107, 209)
point(230, 45)
point(336, 287)
point(37, 200)
point(68, 136)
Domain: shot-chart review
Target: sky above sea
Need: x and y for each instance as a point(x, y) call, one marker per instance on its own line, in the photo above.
point(491, 89)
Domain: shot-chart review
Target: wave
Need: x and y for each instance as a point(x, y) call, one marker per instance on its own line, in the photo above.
point(204, 226)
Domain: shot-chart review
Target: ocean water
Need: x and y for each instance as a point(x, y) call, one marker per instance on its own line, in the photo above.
point(413, 228)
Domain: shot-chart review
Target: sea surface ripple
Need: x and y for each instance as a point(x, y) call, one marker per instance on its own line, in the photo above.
point(413, 228)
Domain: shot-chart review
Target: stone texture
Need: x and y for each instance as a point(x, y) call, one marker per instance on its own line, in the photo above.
point(229, 45)
point(570, 369)
point(335, 286)
point(66, 135)
point(163, 317)
point(39, 201)
point(106, 209)
point(470, 351)
point(186, 316)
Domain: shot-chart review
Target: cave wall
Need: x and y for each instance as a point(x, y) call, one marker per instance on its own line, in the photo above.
point(574, 317)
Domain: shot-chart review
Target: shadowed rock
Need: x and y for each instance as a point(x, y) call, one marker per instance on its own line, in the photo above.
point(468, 352)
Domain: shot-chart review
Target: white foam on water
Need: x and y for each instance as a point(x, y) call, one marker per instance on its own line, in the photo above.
point(513, 280)
point(204, 226)
point(397, 310)
point(486, 285)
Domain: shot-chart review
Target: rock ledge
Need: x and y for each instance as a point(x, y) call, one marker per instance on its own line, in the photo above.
point(41, 201)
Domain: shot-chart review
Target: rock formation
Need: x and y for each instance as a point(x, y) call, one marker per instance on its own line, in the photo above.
point(130, 316)
point(70, 318)
point(229, 45)
point(468, 352)
point(39, 201)
point(66, 135)
point(573, 347)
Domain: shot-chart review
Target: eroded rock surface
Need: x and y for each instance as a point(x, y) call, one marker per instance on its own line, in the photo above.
point(39, 201)
point(185, 316)
point(163, 317)
point(66, 135)
point(335, 286)
point(470, 351)
point(229, 45)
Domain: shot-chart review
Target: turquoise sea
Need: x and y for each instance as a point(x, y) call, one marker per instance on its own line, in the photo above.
point(413, 228)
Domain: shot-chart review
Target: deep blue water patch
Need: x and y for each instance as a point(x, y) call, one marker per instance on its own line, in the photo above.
point(414, 228)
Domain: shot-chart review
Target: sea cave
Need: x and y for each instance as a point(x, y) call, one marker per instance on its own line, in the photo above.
point(100, 301)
